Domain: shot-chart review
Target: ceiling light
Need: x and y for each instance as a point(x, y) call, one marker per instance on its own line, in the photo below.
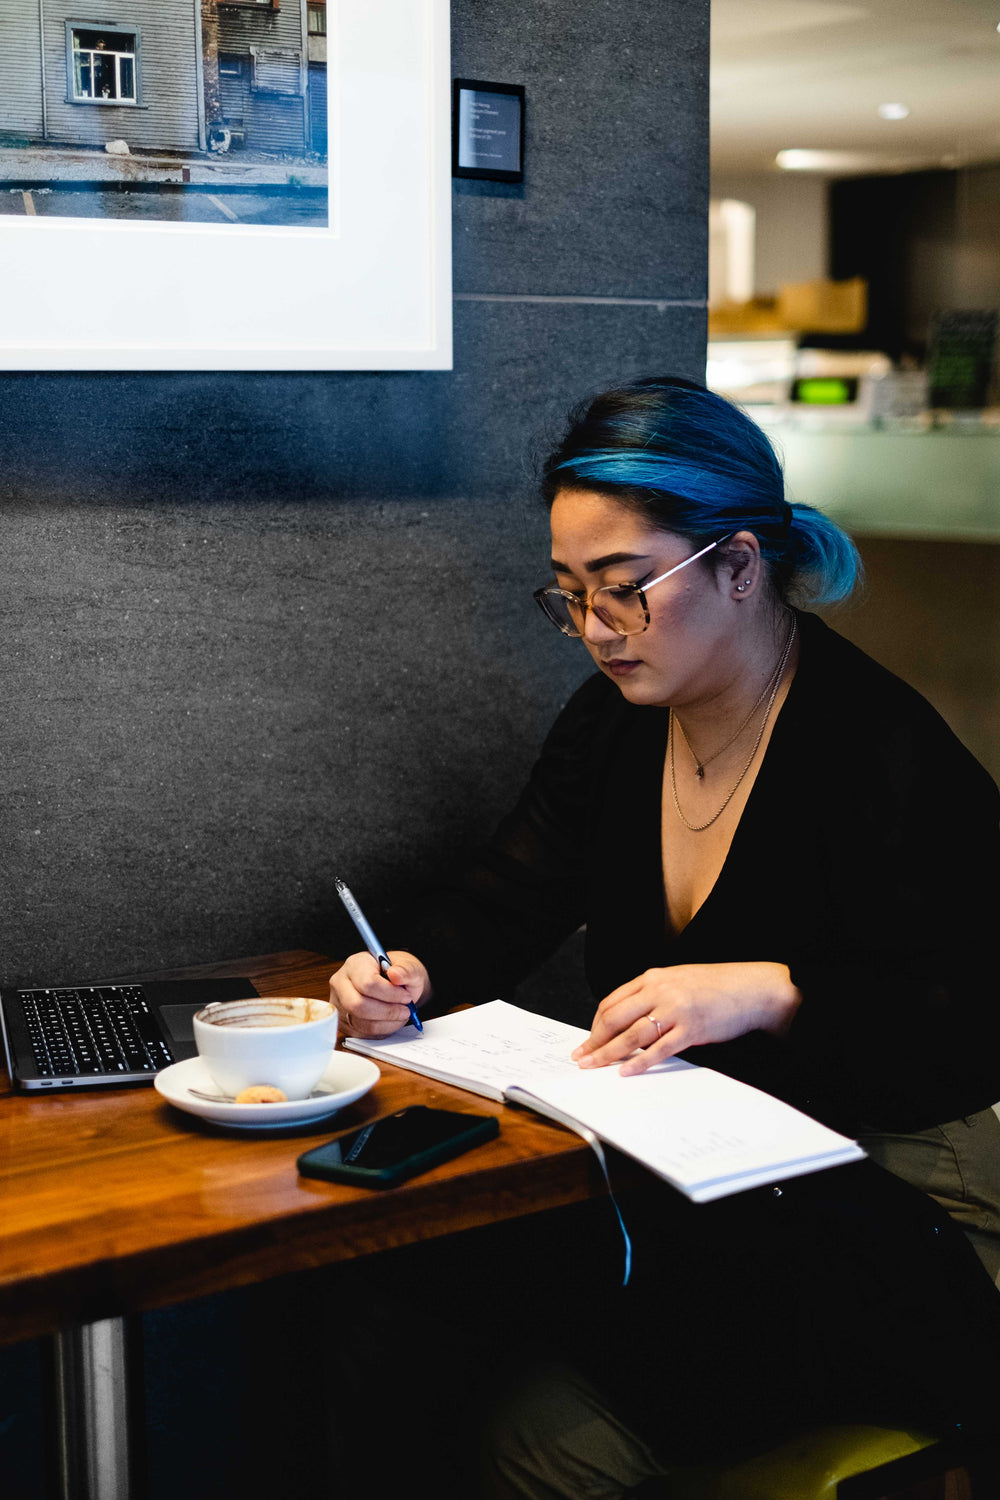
point(799, 160)
point(894, 111)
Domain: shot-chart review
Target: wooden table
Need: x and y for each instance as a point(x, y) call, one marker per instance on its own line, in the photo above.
point(113, 1202)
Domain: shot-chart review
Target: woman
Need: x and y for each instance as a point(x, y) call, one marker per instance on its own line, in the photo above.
point(786, 863)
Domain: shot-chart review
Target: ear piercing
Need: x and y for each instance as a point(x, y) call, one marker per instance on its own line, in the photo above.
point(740, 587)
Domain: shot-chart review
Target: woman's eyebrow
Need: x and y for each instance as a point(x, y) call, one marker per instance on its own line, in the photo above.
point(608, 561)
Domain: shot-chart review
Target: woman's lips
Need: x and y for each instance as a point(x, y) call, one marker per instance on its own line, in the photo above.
point(620, 666)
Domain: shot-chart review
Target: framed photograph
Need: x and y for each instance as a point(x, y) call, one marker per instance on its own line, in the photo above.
point(487, 130)
point(227, 185)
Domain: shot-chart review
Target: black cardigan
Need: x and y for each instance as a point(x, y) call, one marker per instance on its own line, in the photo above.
point(865, 859)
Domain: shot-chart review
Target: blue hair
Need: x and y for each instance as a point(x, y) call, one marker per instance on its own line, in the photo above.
point(695, 464)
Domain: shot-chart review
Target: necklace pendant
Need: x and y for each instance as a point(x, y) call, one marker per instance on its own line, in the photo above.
point(700, 773)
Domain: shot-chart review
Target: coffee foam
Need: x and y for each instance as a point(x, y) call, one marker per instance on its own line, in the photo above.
point(258, 1018)
point(245, 1014)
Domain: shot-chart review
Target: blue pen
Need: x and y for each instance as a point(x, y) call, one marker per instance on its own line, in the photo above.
point(370, 941)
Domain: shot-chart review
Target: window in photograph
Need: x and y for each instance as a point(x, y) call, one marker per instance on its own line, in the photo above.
point(317, 19)
point(275, 71)
point(103, 64)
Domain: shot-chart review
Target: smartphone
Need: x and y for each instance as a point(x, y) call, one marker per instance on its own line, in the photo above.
point(398, 1146)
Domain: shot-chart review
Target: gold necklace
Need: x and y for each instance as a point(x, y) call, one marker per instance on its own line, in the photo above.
point(701, 764)
point(774, 683)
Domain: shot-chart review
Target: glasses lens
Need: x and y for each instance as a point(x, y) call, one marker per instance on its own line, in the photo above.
point(565, 612)
point(620, 607)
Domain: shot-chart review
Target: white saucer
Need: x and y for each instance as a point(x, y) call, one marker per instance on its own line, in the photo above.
point(346, 1079)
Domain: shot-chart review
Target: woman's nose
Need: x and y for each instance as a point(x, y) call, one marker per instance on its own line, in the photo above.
point(595, 630)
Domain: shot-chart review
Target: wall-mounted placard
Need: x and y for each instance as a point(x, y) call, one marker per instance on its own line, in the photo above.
point(291, 211)
point(487, 138)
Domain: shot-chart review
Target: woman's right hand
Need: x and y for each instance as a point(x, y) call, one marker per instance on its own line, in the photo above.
point(371, 1006)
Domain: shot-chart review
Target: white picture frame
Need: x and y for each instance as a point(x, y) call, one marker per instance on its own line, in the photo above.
point(370, 292)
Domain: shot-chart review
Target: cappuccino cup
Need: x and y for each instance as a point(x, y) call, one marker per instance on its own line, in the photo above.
point(286, 1042)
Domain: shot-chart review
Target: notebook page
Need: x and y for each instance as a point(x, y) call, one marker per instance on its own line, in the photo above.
point(490, 1047)
point(700, 1129)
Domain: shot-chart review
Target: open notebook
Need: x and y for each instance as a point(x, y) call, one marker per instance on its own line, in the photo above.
point(706, 1134)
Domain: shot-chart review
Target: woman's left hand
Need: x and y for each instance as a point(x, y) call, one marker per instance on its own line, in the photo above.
point(663, 1011)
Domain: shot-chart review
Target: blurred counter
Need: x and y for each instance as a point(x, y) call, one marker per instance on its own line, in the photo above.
point(918, 482)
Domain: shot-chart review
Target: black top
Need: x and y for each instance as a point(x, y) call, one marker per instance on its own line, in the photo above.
point(865, 859)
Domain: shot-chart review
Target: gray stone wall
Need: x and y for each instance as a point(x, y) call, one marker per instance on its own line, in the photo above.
point(263, 629)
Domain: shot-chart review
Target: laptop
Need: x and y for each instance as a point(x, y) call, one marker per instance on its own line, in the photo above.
point(86, 1036)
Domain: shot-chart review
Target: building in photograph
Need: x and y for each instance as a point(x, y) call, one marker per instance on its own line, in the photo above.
point(165, 75)
point(270, 59)
point(69, 75)
point(316, 51)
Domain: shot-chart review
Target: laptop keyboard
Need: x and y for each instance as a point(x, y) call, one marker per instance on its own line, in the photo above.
point(108, 1029)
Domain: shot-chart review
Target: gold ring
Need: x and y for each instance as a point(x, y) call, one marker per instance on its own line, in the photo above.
point(656, 1023)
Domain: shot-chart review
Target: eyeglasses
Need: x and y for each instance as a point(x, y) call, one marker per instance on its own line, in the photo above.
point(621, 607)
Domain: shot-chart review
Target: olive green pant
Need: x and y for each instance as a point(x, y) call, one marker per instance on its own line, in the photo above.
point(958, 1165)
point(551, 1437)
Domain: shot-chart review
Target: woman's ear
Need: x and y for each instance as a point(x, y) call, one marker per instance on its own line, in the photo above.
point(741, 565)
